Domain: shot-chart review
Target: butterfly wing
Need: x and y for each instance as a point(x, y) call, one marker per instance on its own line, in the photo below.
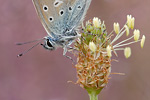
point(79, 11)
point(57, 16)
point(53, 14)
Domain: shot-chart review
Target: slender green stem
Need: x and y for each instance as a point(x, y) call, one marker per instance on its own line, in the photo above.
point(93, 93)
point(93, 96)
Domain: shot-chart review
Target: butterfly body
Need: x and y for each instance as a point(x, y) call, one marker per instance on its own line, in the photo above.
point(61, 41)
point(61, 19)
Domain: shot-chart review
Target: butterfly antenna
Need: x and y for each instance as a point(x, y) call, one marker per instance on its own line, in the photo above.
point(29, 42)
point(21, 54)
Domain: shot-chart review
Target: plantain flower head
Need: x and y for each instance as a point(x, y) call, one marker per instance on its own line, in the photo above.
point(95, 49)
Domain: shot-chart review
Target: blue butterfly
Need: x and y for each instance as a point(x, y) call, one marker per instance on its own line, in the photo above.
point(61, 20)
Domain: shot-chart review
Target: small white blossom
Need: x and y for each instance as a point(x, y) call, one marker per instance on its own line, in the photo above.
point(136, 35)
point(92, 46)
point(142, 41)
point(96, 22)
point(132, 22)
point(127, 52)
point(116, 28)
point(109, 51)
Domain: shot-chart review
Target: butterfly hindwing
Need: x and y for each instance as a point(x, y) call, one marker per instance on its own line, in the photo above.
point(80, 8)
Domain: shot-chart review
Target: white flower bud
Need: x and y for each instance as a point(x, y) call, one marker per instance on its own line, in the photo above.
point(132, 22)
point(127, 52)
point(116, 28)
point(129, 17)
point(109, 51)
point(92, 46)
point(96, 22)
point(136, 35)
point(142, 41)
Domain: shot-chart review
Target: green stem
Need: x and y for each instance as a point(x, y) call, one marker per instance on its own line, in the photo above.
point(93, 96)
point(93, 93)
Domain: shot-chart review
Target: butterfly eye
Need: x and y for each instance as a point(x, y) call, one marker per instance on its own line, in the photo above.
point(48, 43)
point(45, 8)
point(57, 3)
point(51, 19)
point(61, 12)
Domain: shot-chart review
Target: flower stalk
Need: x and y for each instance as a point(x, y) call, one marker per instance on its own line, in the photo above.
point(93, 93)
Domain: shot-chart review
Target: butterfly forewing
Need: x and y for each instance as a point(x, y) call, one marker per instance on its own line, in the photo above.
point(49, 16)
point(57, 16)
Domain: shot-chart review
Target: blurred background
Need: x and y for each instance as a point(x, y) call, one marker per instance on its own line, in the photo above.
point(43, 75)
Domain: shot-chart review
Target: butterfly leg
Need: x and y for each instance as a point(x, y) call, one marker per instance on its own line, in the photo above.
point(82, 25)
point(64, 54)
point(71, 49)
